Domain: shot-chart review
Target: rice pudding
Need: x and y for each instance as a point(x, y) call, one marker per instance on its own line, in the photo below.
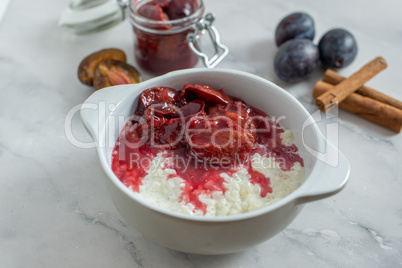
point(201, 152)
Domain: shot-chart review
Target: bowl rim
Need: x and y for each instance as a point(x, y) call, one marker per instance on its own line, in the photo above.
point(292, 197)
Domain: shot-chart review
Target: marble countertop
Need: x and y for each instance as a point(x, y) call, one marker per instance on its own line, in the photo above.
point(54, 207)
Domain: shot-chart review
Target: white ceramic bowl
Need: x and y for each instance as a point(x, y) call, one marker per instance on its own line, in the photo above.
point(102, 111)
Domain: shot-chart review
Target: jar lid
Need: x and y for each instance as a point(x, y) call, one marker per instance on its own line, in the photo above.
point(84, 16)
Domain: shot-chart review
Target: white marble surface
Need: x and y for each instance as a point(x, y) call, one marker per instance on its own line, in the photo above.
point(54, 207)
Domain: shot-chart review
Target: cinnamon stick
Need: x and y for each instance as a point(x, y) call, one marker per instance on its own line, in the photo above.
point(373, 110)
point(340, 92)
point(334, 78)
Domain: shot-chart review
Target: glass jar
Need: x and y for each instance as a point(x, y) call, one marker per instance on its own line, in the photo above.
point(163, 46)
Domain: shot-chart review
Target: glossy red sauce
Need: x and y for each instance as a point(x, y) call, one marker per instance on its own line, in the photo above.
point(201, 176)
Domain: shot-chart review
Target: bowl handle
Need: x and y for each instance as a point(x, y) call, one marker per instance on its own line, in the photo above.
point(96, 109)
point(330, 178)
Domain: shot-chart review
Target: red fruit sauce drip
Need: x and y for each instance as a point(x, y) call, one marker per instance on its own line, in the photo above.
point(201, 178)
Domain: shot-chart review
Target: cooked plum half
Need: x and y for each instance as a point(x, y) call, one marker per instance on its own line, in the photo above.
point(170, 134)
point(156, 94)
point(238, 112)
point(162, 3)
point(86, 69)
point(208, 94)
point(164, 10)
point(114, 72)
point(219, 138)
point(153, 11)
point(178, 9)
point(162, 108)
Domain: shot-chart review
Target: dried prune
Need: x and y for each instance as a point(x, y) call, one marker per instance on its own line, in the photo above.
point(114, 72)
point(86, 69)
